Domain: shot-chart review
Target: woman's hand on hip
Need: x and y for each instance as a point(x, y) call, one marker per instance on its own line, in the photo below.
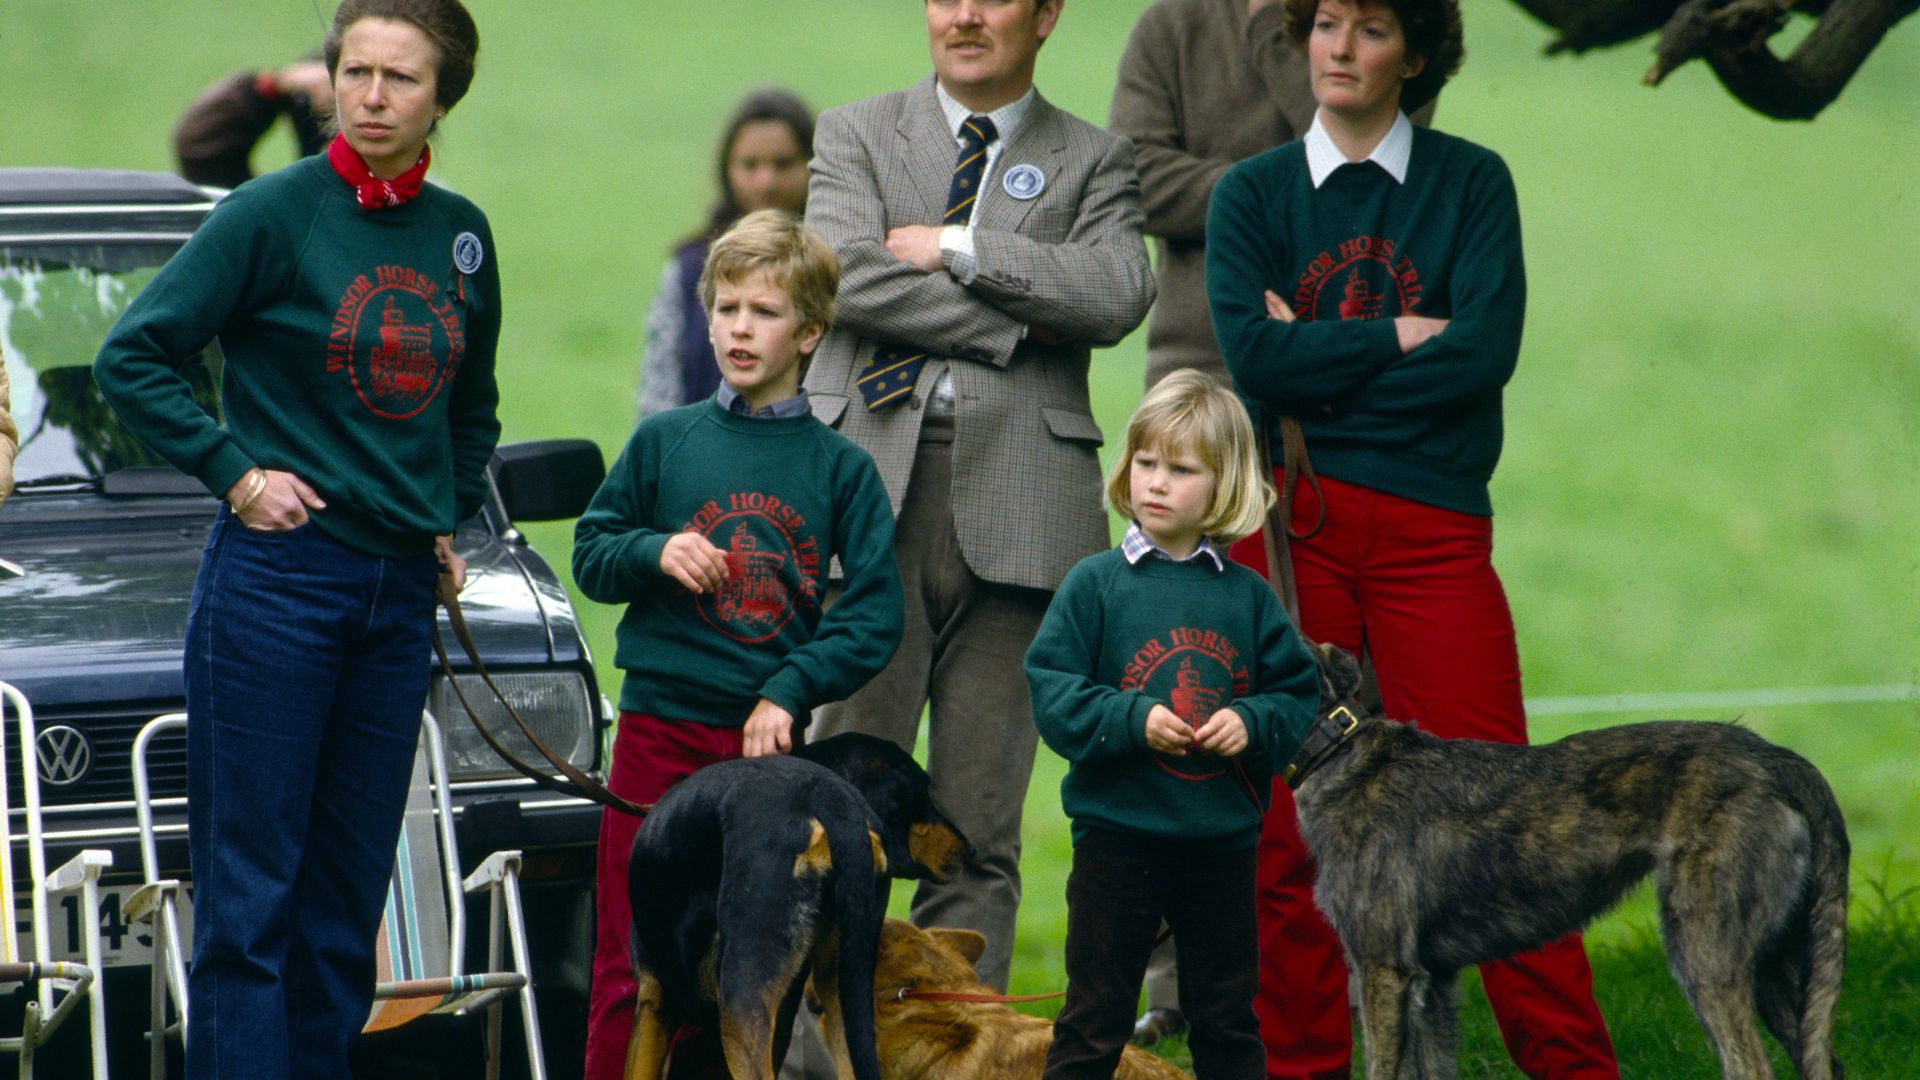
point(268, 500)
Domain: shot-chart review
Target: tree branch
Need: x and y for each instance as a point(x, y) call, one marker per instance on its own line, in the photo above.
point(1813, 76)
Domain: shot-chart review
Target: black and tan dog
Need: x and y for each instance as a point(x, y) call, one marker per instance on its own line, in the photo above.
point(749, 873)
point(1436, 854)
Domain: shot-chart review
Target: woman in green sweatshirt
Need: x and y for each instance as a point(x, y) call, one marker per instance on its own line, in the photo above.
point(357, 310)
point(1368, 281)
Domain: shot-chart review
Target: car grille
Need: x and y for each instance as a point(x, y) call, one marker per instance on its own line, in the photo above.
point(110, 733)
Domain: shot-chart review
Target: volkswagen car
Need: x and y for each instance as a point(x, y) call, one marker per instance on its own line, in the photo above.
point(98, 550)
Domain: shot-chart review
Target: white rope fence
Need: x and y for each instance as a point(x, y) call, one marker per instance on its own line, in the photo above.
point(1722, 699)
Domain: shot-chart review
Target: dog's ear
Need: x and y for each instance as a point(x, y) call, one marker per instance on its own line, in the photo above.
point(1339, 673)
point(971, 944)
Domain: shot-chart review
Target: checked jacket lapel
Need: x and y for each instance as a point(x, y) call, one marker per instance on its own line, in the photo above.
point(1039, 142)
point(926, 153)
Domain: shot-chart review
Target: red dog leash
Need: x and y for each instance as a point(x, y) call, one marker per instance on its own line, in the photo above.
point(978, 997)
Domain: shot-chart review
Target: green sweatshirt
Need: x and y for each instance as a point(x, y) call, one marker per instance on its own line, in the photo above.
point(1350, 257)
point(358, 356)
point(782, 497)
point(1120, 638)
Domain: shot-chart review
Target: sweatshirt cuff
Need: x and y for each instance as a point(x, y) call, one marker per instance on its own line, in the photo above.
point(647, 551)
point(1137, 721)
point(225, 468)
point(784, 690)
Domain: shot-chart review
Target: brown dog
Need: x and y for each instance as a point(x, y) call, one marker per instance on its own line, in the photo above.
point(922, 1039)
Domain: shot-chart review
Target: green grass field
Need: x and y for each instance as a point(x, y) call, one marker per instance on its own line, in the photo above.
point(1712, 475)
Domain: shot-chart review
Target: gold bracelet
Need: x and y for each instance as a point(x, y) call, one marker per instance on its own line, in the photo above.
point(258, 485)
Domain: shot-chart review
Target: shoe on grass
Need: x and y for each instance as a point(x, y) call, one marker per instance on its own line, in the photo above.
point(1157, 1024)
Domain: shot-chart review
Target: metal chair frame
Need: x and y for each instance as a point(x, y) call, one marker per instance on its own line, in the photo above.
point(58, 988)
point(158, 903)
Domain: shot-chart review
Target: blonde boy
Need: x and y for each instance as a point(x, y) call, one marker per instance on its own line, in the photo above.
point(716, 527)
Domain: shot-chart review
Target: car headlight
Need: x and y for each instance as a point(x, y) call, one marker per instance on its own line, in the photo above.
point(555, 705)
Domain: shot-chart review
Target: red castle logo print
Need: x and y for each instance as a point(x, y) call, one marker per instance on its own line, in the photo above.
point(1196, 673)
point(389, 335)
point(1357, 282)
point(773, 565)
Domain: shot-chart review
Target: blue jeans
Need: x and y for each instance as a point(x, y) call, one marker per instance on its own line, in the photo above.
point(306, 667)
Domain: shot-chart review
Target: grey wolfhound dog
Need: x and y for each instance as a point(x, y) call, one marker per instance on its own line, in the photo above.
point(1436, 854)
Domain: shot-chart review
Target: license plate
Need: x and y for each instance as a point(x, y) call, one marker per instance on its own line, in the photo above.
point(122, 943)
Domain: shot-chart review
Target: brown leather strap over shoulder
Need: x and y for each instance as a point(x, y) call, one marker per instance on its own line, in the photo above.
point(576, 782)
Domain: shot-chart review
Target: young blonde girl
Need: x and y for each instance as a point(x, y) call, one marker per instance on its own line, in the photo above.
point(1173, 684)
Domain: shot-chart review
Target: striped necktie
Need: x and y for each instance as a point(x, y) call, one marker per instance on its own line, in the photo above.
point(889, 378)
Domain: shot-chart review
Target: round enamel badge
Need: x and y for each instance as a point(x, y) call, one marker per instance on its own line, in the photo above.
point(1024, 181)
point(467, 253)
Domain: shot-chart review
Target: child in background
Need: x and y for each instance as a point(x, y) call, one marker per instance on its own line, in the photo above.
point(716, 527)
point(1174, 685)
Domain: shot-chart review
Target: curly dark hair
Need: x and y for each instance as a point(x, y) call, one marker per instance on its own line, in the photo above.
point(446, 23)
point(1433, 33)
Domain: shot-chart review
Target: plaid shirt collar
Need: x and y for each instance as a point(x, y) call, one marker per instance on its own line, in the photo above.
point(1137, 545)
point(784, 409)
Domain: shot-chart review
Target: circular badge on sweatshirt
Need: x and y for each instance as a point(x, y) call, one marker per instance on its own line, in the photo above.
point(1024, 182)
point(467, 253)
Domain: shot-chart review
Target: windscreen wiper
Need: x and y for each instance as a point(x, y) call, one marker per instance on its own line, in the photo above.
point(86, 480)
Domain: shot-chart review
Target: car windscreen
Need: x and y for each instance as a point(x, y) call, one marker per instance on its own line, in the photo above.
point(57, 303)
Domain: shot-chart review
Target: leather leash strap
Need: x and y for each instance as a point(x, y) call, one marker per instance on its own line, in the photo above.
point(1294, 464)
point(1275, 536)
point(576, 783)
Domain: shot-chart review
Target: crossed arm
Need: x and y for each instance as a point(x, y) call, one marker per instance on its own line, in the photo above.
point(1094, 287)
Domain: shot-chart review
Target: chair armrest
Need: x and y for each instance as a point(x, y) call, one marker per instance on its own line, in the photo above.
point(148, 900)
point(498, 867)
point(78, 869)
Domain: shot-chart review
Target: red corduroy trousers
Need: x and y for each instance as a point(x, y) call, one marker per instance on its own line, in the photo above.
point(649, 756)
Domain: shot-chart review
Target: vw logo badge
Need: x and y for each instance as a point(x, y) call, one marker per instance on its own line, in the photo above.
point(65, 756)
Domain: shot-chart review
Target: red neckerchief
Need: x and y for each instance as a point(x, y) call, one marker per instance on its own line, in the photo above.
point(373, 192)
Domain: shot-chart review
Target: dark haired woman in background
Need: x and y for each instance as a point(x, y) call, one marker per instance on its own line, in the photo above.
point(358, 310)
point(762, 166)
point(1367, 280)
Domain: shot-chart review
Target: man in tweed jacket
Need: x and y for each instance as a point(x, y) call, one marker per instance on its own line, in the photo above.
point(989, 457)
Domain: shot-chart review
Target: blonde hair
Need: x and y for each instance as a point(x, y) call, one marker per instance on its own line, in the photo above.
point(789, 253)
point(1188, 409)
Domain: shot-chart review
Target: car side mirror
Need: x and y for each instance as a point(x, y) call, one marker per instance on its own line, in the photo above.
point(547, 479)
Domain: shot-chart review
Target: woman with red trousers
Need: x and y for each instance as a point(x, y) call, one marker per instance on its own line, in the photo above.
point(1368, 281)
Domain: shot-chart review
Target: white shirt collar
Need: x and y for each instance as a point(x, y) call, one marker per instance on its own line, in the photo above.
point(1392, 154)
point(1006, 119)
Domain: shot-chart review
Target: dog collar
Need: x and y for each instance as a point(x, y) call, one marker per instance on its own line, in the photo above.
point(1329, 730)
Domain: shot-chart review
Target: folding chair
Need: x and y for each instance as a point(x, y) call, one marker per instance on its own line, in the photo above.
point(421, 949)
point(55, 990)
